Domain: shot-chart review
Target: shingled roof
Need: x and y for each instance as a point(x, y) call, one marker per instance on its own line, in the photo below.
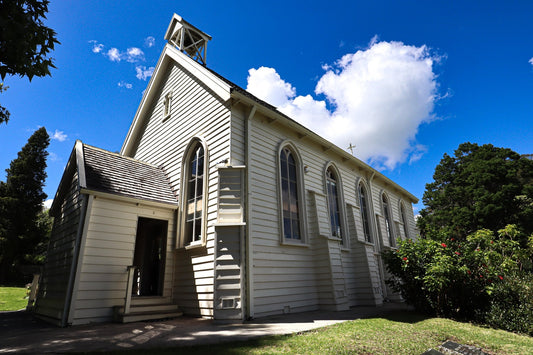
point(115, 174)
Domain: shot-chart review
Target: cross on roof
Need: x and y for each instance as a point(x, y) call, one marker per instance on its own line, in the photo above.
point(351, 147)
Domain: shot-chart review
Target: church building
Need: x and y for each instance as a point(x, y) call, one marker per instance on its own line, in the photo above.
point(219, 206)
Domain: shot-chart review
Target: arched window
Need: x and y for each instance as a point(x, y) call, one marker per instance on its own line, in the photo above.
point(334, 203)
point(365, 213)
point(194, 193)
point(289, 195)
point(388, 219)
point(404, 221)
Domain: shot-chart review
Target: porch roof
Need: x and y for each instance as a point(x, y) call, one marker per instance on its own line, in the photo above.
point(112, 173)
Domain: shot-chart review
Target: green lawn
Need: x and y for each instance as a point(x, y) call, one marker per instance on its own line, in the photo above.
point(402, 333)
point(12, 298)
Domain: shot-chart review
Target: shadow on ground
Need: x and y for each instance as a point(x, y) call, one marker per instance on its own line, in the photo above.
point(21, 333)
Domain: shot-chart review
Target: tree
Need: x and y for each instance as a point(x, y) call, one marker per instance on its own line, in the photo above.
point(479, 187)
point(21, 198)
point(25, 42)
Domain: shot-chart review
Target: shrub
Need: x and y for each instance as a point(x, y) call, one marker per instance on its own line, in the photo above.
point(457, 278)
point(511, 304)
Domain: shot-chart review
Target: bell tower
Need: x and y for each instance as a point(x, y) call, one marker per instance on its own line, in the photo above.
point(187, 39)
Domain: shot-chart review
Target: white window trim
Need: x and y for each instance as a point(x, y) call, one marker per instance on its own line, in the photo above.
point(342, 208)
point(392, 237)
point(167, 106)
point(303, 241)
point(181, 242)
point(368, 200)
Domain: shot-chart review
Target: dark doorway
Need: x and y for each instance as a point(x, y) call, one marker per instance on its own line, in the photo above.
point(149, 257)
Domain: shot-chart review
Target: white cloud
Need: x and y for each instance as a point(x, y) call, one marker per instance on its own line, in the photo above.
point(58, 135)
point(123, 84)
point(265, 83)
point(53, 157)
point(149, 41)
point(97, 47)
point(48, 203)
point(143, 72)
point(131, 55)
point(531, 61)
point(114, 55)
point(377, 99)
point(134, 55)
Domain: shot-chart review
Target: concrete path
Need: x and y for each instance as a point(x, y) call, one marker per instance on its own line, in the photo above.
point(20, 333)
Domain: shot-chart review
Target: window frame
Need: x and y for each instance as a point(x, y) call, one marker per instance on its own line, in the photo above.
point(364, 208)
point(403, 218)
point(167, 106)
point(300, 192)
point(340, 204)
point(388, 218)
point(186, 241)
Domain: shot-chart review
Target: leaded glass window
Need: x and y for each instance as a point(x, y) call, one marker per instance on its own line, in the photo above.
point(289, 195)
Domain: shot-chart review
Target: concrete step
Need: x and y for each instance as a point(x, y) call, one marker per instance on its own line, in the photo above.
point(149, 300)
point(146, 312)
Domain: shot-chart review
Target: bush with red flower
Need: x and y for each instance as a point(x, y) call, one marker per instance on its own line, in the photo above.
point(465, 278)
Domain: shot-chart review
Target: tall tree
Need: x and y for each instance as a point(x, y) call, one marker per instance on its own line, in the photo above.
point(25, 42)
point(21, 198)
point(479, 187)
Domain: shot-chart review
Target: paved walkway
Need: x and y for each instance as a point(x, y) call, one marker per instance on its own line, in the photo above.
point(21, 333)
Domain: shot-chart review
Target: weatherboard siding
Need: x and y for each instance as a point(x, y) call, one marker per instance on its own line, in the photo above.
point(108, 251)
point(323, 272)
point(195, 112)
point(54, 282)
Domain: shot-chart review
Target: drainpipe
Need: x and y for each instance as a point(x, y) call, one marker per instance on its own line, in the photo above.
point(75, 258)
point(249, 314)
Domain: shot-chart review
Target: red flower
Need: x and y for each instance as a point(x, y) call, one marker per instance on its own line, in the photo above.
point(469, 272)
point(480, 276)
point(443, 245)
point(492, 242)
point(404, 258)
point(452, 239)
point(501, 277)
point(457, 253)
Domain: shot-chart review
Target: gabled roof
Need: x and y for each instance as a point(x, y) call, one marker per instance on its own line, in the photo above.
point(101, 171)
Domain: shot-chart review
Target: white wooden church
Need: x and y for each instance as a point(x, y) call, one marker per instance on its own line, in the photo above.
point(218, 206)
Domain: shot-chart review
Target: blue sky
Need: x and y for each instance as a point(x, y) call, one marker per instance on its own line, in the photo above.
point(411, 79)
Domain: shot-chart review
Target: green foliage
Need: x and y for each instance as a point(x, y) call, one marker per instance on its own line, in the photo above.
point(458, 278)
point(479, 187)
point(511, 305)
point(23, 227)
point(25, 42)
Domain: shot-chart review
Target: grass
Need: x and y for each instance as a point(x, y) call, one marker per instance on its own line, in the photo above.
point(12, 298)
point(402, 333)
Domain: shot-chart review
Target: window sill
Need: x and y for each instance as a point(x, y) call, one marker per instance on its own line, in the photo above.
point(229, 224)
point(291, 243)
point(364, 242)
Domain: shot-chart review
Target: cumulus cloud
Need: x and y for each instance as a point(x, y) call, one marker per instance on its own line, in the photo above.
point(531, 61)
point(375, 99)
point(149, 41)
point(123, 84)
point(97, 47)
point(114, 55)
point(131, 55)
point(143, 72)
point(58, 136)
point(134, 54)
